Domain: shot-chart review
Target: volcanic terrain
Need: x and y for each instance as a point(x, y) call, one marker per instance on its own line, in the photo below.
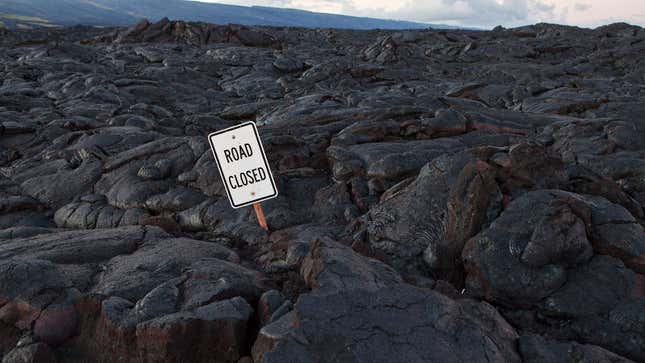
point(445, 195)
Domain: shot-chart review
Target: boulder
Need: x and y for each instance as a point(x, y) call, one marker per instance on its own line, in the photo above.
point(404, 323)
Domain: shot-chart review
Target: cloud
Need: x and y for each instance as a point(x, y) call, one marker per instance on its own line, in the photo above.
point(472, 12)
point(582, 7)
point(480, 13)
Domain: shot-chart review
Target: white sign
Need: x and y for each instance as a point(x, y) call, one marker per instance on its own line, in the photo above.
point(243, 165)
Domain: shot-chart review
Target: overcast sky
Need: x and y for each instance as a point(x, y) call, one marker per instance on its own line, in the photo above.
point(482, 13)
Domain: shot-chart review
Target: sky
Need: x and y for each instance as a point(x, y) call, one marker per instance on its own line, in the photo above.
point(479, 13)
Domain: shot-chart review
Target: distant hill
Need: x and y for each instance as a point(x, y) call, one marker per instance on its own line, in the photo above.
point(35, 13)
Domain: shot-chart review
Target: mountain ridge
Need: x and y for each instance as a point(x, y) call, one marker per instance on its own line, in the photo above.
point(18, 14)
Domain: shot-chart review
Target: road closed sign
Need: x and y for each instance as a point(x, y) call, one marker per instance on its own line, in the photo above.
point(243, 165)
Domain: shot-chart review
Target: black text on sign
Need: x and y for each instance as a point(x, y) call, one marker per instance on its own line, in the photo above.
point(243, 164)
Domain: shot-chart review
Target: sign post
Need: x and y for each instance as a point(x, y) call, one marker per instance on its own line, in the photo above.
point(260, 214)
point(243, 167)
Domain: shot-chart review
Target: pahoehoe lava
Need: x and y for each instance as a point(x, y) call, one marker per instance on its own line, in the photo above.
point(445, 195)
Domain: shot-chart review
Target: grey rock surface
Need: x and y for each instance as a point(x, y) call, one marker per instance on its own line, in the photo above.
point(444, 195)
point(400, 323)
